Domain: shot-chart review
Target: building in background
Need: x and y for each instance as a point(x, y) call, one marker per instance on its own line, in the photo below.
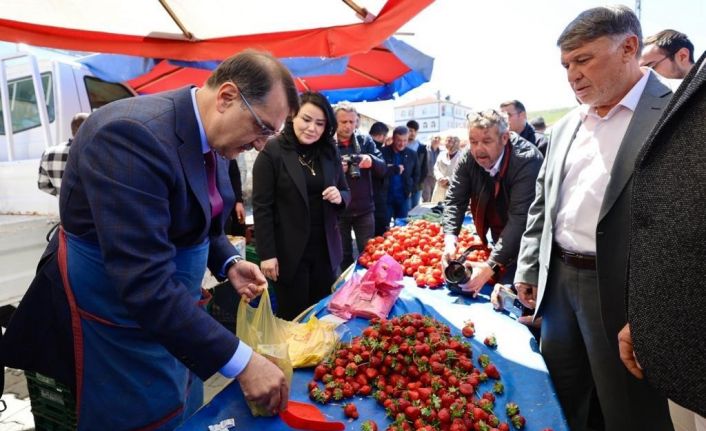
point(433, 114)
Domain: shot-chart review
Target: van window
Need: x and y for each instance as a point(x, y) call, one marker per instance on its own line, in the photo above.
point(24, 112)
point(101, 92)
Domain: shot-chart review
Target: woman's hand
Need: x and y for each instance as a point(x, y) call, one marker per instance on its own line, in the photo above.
point(332, 195)
point(270, 268)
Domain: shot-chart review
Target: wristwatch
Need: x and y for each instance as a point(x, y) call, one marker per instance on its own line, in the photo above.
point(496, 267)
point(232, 262)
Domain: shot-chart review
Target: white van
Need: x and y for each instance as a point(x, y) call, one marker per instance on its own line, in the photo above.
point(38, 99)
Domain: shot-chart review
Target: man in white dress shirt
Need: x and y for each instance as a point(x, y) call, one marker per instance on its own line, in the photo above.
point(573, 257)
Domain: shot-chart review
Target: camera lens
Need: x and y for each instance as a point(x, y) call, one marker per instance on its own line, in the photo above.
point(456, 273)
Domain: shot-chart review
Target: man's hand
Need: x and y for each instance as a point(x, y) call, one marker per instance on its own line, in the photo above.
point(331, 194)
point(240, 212)
point(449, 252)
point(530, 321)
point(264, 384)
point(627, 354)
point(270, 268)
point(247, 280)
point(365, 161)
point(481, 274)
point(444, 182)
point(495, 297)
point(527, 294)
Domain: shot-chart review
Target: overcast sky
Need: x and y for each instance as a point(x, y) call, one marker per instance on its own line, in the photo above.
point(489, 51)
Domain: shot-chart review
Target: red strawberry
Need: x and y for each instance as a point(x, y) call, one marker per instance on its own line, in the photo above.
point(518, 421)
point(490, 341)
point(412, 412)
point(320, 371)
point(468, 331)
point(444, 415)
point(369, 426)
point(491, 371)
point(466, 389)
point(350, 411)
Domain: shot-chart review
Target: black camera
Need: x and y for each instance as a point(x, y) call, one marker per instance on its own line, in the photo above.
point(353, 161)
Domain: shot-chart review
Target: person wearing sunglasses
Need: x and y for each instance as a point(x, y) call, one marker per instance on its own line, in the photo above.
point(144, 199)
point(299, 190)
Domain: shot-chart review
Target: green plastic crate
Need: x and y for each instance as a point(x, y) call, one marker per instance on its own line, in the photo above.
point(53, 403)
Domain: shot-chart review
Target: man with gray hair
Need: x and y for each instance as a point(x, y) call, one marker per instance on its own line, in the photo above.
point(573, 257)
point(498, 176)
point(361, 161)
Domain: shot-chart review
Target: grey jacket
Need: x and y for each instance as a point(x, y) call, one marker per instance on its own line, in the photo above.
point(611, 232)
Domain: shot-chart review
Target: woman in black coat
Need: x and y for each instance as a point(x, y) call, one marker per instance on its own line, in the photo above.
point(298, 191)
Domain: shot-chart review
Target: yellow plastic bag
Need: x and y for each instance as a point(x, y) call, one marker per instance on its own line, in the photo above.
point(311, 342)
point(267, 335)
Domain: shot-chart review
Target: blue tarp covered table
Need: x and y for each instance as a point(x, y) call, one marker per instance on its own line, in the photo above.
point(522, 369)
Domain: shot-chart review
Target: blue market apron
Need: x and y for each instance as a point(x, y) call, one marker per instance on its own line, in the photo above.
point(126, 380)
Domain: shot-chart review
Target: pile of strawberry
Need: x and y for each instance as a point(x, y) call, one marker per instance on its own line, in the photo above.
point(423, 377)
point(418, 247)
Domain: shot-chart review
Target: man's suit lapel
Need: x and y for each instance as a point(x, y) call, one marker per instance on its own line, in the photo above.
point(187, 129)
point(648, 110)
point(291, 163)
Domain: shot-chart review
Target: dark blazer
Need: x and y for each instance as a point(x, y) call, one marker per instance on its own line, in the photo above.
point(611, 232)
point(281, 204)
point(472, 182)
point(135, 184)
point(667, 279)
point(411, 172)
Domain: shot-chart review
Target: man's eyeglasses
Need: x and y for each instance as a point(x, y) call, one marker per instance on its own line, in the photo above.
point(654, 65)
point(265, 130)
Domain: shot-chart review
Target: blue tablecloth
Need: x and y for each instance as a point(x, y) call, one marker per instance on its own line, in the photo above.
point(522, 369)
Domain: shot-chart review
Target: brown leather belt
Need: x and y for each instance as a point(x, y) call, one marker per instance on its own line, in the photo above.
point(577, 260)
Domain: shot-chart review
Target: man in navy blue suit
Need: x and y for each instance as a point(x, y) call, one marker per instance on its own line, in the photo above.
point(142, 214)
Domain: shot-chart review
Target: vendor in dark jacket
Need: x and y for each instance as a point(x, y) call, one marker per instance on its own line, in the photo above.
point(498, 176)
point(361, 161)
point(298, 192)
point(402, 173)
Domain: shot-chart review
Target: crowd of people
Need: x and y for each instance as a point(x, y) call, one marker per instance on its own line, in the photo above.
point(581, 219)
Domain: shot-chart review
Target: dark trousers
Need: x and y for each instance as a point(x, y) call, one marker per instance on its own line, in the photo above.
point(364, 228)
point(311, 282)
point(414, 198)
point(580, 356)
point(397, 208)
point(382, 221)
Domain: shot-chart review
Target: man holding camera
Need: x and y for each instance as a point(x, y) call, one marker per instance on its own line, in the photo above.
point(361, 159)
point(497, 175)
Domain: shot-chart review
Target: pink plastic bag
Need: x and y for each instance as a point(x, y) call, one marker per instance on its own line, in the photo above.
point(373, 295)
